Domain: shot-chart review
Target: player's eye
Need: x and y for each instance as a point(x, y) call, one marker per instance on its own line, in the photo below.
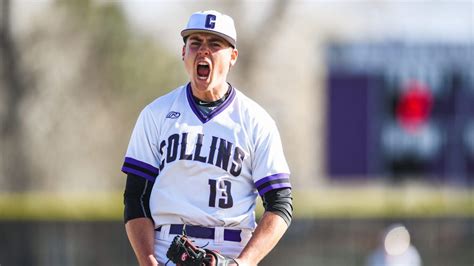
point(194, 43)
point(217, 45)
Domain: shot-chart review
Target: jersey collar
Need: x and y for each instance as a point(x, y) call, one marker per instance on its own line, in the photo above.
point(204, 118)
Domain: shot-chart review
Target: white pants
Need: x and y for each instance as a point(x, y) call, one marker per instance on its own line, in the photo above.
point(231, 249)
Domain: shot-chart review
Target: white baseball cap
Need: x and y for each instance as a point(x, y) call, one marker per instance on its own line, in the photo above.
point(213, 22)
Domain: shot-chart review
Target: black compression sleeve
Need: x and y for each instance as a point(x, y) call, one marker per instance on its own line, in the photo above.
point(137, 197)
point(279, 201)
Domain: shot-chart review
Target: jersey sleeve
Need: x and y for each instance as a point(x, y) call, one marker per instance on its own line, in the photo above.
point(141, 157)
point(270, 169)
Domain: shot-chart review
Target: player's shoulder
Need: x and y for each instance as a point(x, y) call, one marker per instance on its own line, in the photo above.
point(160, 106)
point(253, 109)
point(167, 99)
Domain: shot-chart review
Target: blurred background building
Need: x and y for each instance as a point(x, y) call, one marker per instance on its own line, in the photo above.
point(374, 101)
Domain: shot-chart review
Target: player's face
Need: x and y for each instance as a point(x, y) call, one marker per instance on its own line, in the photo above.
point(207, 59)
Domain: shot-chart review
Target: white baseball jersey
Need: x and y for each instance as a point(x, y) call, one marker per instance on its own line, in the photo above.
point(207, 169)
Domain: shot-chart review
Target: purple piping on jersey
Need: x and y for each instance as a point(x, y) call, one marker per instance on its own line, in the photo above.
point(138, 173)
point(141, 164)
point(271, 178)
point(274, 186)
point(213, 113)
point(273, 182)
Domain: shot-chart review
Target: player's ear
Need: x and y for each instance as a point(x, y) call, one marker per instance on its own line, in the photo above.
point(183, 52)
point(233, 57)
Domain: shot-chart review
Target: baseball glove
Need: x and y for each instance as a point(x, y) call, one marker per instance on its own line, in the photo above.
point(184, 253)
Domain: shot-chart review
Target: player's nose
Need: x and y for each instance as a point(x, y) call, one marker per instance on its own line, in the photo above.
point(203, 49)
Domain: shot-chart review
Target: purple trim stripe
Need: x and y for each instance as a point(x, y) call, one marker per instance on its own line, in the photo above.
point(193, 105)
point(271, 178)
point(204, 119)
point(273, 182)
point(274, 186)
point(128, 170)
point(143, 165)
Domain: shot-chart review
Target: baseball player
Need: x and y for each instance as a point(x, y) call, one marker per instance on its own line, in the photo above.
point(200, 155)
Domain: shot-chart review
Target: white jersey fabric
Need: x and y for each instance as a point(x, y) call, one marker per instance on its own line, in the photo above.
point(207, 170)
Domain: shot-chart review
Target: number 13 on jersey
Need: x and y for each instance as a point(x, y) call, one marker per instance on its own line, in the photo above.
point(220, 192)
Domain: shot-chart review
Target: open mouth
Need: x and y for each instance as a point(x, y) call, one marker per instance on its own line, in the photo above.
point(203, 70)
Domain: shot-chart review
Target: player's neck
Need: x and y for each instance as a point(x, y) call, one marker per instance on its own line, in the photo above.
point(209, 93)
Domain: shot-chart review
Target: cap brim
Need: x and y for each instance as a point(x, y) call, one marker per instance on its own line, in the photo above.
point(187, 32)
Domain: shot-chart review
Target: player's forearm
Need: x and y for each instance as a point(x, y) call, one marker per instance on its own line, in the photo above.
point(140, 233)
point(269, 231)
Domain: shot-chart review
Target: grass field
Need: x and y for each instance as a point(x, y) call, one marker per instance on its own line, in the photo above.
point(328, 202)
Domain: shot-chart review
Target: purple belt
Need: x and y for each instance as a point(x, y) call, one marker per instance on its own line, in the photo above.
point(204, 232)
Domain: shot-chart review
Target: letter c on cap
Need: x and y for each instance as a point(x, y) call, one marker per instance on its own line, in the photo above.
point(210, 21)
